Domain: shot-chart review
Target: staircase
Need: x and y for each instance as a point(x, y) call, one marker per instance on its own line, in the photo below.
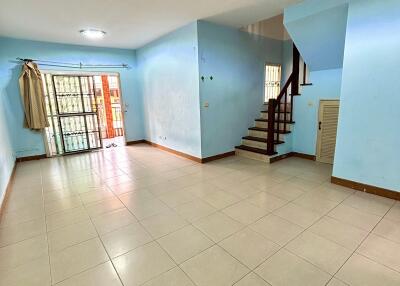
point(274, 126)
point(254, 146)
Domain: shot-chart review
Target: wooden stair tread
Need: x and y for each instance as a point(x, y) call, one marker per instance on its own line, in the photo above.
point(266, 111)
point(276, 121)
point(252, 149)
point(263, 140)
point(282, 103)
point(266, 130)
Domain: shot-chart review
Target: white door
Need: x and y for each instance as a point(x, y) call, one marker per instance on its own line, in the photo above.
point(327, 129)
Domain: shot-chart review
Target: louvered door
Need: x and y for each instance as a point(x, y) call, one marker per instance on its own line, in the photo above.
point(327, 129)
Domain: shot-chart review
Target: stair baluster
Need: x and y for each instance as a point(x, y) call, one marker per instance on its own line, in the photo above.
point(274, 113)
point(271, 126)
point(274, 105)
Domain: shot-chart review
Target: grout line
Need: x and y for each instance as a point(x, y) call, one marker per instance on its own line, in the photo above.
point(179, 265)
point(362, 241)
point(191, 223)
point(104, 248)
point(45, 221)
point(153, 241)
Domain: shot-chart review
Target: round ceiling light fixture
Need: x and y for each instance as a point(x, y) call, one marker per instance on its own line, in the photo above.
point(92, 34)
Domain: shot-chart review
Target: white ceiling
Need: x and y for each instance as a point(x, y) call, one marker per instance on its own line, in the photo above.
point(128, 23)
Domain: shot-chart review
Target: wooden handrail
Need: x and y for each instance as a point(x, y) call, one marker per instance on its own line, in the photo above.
point(274, 105)
point(273, 108)
point(285, 87)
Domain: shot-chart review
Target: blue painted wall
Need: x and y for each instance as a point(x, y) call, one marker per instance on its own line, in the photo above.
point(7, 155)
point(236, 62)
point(326, 85)
point(368, 140)
point(28, 143)
point(169, 85)
point(320, 36)
point(287, 60)
point(310, 8)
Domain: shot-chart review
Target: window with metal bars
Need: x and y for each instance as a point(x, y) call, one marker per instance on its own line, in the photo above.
point(273, 79)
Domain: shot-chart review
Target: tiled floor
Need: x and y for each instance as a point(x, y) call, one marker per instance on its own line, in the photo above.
point(140, 216)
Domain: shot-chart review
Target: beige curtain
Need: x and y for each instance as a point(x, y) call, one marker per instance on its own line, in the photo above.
point(33, 98)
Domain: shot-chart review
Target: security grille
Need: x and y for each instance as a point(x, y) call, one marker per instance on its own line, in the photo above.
point(72, 111)
point(272, 82)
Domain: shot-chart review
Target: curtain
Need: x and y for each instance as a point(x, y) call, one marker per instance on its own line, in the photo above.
point(33, 98)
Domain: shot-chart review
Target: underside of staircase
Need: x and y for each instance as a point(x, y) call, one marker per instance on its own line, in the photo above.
point(254, 146)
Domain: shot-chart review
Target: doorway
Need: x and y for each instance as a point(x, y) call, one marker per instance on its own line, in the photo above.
point(273, 77)
point(109, 103)
point(327, 130)
point(83, 116)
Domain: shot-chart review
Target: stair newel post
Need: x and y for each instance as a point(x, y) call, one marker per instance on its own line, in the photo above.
point(296, 71)
point(271, 124)
point(284, 114)
point(291, 109)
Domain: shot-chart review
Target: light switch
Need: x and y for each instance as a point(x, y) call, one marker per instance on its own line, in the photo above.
point(206, 104)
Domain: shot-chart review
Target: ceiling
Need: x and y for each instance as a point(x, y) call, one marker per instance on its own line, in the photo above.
point(128, 23)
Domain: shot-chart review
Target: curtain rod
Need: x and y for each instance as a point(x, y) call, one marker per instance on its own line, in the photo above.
point(72, 65)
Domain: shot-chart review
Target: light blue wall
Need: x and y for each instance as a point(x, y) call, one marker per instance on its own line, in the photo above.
point(287, 60)
point(28, 143)
point(367, 149)
point(326, 85)
point(7, 155)
point(236, 61)
point(310, 8)
point(319, 36)
point(169, 85)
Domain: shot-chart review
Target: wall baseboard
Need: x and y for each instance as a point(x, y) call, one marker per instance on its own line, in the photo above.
point(366, 188)
point(304, 156)
point(31, 158)
point(182, 154)
point(280, 157)
point(292, 154)
point(7, 191)
point(179, 153)
point(217, 157)
point(135, 142)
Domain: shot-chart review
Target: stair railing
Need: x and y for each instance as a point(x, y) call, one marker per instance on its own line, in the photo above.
point(275, 105)
point(274, 115)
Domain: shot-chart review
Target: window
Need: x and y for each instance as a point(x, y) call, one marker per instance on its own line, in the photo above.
point(272, 81)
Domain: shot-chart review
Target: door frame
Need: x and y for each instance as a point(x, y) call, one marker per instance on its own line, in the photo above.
point(319, 118)
point(88, 73)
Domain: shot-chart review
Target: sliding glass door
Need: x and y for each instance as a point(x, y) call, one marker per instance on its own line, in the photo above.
point(73, 114)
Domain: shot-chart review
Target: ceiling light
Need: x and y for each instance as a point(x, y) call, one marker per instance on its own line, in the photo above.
point(92, 34)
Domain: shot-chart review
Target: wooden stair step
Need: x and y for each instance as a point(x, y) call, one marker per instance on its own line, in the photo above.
point(282, 103)
point(276, 112)
point(252, 149)
point(266, 130)
point(276, 121)
point(263, 140)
